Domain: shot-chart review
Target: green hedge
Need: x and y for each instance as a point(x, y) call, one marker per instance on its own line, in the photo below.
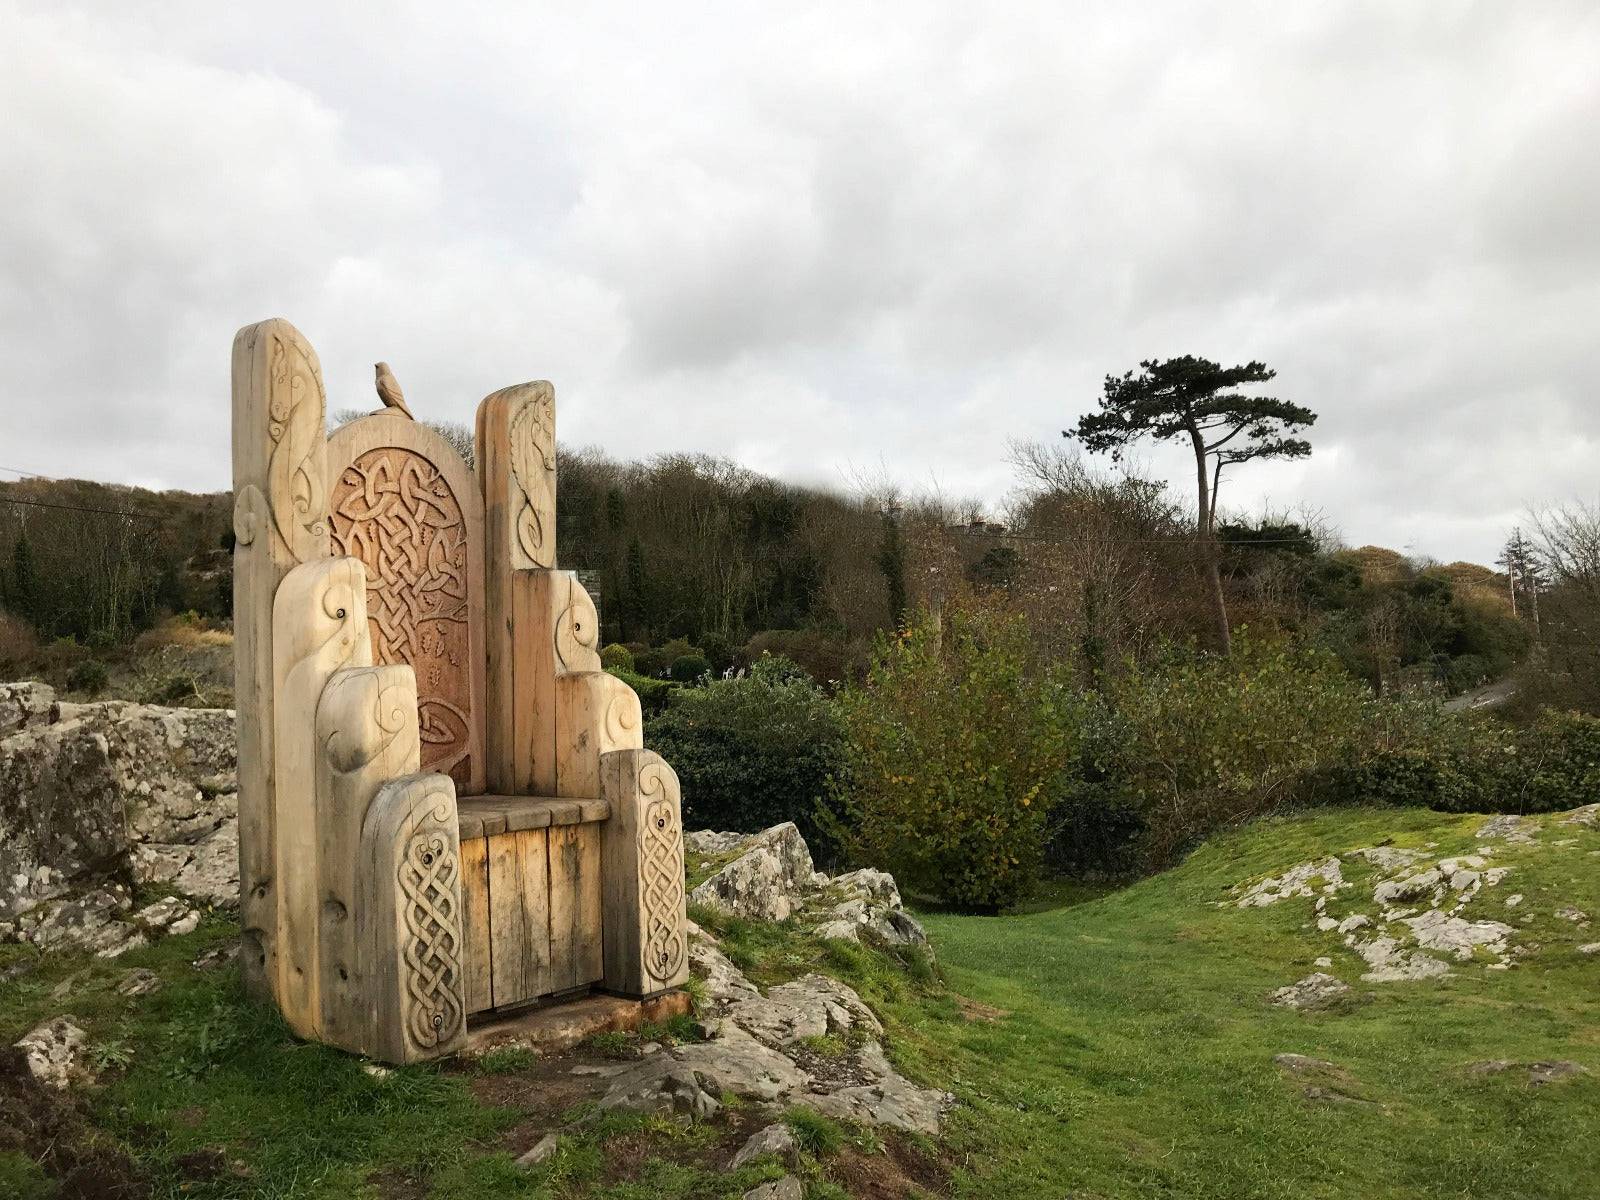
point(752, 752)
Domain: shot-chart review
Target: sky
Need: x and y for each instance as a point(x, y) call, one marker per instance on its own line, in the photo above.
point(826, 240)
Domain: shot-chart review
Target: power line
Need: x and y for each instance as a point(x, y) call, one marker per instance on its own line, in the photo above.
point(108, 512)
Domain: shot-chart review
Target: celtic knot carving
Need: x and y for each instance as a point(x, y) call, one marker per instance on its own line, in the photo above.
point(432, 946)
point(661, 872)
point(295, 470)
point(394, 510)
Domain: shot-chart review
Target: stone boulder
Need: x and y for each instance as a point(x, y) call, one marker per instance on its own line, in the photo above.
point(1316, 990)
point(772, 879)
point(23, 705)
point(55, 1051)
point(766, 881)
point(763, 1048)
point(113, 791)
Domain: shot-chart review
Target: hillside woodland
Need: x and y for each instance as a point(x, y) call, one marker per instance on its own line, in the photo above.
point(972, 693)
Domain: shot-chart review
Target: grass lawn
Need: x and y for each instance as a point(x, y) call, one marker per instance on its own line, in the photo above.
point(1100, 1045)
point(1136, 1056)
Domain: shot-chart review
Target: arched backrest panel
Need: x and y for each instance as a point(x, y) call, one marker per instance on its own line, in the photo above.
point(402, 501)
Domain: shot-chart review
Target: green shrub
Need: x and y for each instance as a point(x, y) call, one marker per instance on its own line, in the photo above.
point(1097, 826)
point(752, 752)
point(823, 656)
point(90, 676)
point(1556, 765)
point(957, 747)
point(1214, 741)
point(658, 661)
point(617, 657)
point(687, 668)
point(1418, 755)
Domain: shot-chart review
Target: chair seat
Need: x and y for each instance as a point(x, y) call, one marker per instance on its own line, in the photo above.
point(485, 816)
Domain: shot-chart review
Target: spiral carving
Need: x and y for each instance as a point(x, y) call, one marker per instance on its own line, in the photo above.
point(621, 726)
point(578, 633)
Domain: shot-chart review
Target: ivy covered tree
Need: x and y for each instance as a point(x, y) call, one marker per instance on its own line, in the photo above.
point(1196, 400)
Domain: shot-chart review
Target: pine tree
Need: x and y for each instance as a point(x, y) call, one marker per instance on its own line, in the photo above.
point(1193, 399)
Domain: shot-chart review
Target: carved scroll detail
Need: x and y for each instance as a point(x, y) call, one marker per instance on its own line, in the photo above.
point(578, 633)
point(661, 872)
point(532, 445)
point(622, 720)
point(295, 469)
point(428, 878)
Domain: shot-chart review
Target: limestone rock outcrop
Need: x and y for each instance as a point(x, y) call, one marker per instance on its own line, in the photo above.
point(770, 877)
point(96, 797)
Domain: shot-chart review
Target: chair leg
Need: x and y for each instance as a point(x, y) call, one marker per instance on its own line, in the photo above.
point(646, 944)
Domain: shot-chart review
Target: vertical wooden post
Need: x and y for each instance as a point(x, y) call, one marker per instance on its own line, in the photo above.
point(408, 920)
point(516, 452)
point(319, 626)
point(279, 520)
point(595, 714)
point(645, 945)
point(367, 734)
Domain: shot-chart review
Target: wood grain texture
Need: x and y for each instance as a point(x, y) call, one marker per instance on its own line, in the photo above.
point(595, 713)
point(485, 816)
point(515, 443)
point(366, 731)
point(408, 921)
point(519, 916)
point(319, 626)
point(645, 941)
point(516, 449)
point(280, 491)
point(477, 945)
point(402, 500)
point(575, 907)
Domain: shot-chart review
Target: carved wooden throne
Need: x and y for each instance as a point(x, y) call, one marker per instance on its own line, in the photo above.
point(445, 806)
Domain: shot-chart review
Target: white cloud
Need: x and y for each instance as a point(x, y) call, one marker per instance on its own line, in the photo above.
point(825, 236)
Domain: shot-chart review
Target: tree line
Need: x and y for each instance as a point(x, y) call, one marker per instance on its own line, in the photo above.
point(1106, 565)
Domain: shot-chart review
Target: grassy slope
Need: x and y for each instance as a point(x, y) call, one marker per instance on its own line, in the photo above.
point(1134, 1059)
point(1137, 1059)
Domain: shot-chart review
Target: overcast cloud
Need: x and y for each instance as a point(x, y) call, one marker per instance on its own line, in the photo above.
point(817, 237)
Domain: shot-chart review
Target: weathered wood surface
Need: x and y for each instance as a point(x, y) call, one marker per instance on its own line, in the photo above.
point(516, 469)
point(575, 907)
point(403, 502)
point(595, 713)
point(408, 920)
point(378, 909)
point(519, 916)
point(279, 521)
point(485, 816)
point(319, 626)
point(366, 736)
point(645, 944)
point(477, 945)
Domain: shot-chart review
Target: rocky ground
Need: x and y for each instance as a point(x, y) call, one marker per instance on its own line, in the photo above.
point(118, 831)
point(1416, 914)
point(100, 800)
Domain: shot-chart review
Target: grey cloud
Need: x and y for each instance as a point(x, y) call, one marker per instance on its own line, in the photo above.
point(823, 236)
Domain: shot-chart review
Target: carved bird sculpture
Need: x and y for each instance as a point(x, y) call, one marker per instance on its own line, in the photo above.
point(389, 390)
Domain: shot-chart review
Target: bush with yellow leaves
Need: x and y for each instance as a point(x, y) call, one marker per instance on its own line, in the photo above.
point(957, 742)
